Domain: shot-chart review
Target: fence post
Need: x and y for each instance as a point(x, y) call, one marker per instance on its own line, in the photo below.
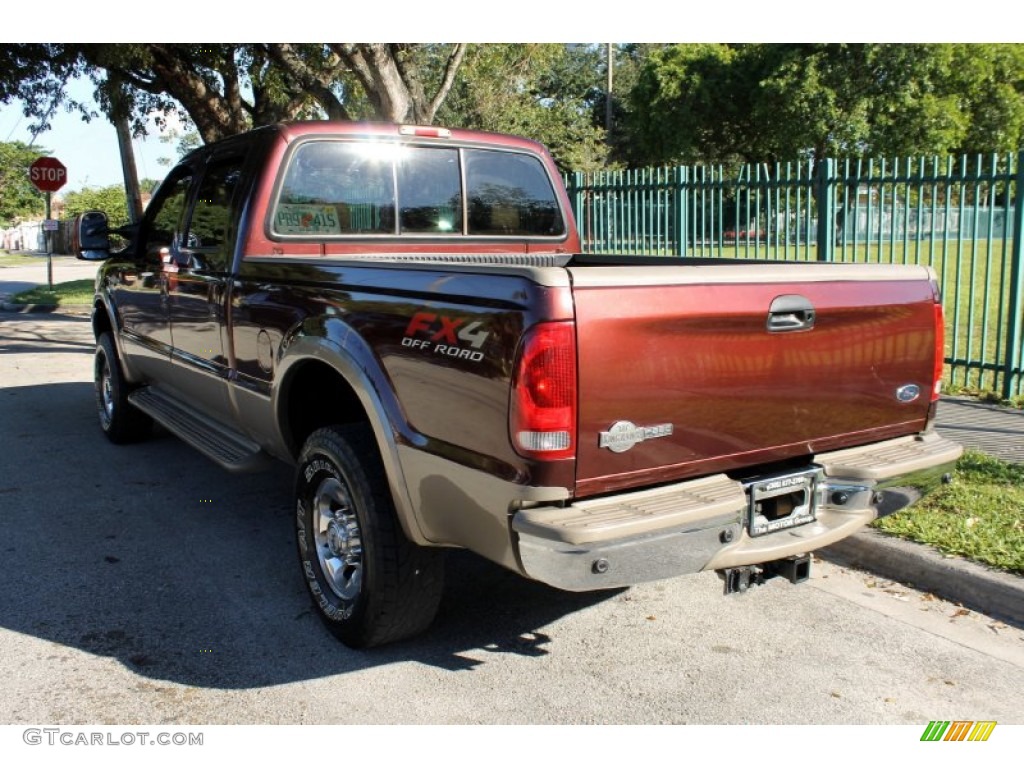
point(681, 207)
point(575, 191)
point(1015, 310)
point(826, 203)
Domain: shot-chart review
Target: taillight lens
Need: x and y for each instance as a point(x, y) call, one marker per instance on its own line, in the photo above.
point(940, 350)
point(542, 418)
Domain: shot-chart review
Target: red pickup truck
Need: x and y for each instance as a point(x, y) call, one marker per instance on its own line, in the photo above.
point(403, 314)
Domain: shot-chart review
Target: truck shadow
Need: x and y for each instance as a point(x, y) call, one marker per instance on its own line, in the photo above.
point(153, 556)
point(44, 333)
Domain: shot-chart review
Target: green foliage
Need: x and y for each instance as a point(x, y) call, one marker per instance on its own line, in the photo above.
point(184, 143)
point(111, 200)
point(19, 199)
point(720, 103)
point(540, 90)
point(764, 102)
point(978, 516)
point(991, 82)
point(547, 91)
point(224, 88)
point(38, 73)
point(689, 103)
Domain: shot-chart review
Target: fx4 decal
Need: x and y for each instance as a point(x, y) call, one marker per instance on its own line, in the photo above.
point(450, 336)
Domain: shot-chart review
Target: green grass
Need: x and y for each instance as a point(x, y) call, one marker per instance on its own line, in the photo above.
point(979, 516)
point(71, 292)
point(16, 259)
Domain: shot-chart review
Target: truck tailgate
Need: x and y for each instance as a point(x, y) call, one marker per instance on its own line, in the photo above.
point(686, 370)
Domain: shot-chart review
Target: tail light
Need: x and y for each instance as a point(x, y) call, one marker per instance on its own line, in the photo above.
point(940, 350)
point(542, 416)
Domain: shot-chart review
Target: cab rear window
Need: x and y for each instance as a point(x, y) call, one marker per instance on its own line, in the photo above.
point(344, 188)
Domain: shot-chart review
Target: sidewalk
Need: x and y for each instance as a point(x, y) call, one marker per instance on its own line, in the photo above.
point(987, 428)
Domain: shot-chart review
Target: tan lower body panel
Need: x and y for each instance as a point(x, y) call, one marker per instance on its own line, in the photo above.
point(701, 524)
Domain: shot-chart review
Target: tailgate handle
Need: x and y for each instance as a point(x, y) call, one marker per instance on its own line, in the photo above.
point(790, 313)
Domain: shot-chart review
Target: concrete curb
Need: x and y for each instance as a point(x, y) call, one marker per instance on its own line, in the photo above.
point(974, 586)
point(70, 309)
point(8, 306)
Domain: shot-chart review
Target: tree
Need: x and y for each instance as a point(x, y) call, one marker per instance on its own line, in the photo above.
point(548, 91)
point(690, 103)
point(763, 102)
point(19, 199)
point(544, 91)
point(989, 80)
point(833, 100)
point(111, 200)
point(227, 88)
point(628, 62)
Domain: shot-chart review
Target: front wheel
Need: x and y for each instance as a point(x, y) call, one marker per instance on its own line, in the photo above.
point(370, 584)
point(120, 421)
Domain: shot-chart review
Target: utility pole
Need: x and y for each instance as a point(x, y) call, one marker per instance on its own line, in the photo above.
point(610, 55)
point(128, 169)
point(119, 117)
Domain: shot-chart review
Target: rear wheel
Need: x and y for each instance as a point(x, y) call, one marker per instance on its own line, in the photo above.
point(120, 421)
point(370, 584)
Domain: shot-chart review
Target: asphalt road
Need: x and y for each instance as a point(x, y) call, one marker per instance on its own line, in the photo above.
point(146, 585)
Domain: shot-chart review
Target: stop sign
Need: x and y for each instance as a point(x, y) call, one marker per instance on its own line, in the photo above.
point(48, 174)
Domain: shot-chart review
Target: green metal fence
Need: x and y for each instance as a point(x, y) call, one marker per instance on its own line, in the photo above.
point(957, 215)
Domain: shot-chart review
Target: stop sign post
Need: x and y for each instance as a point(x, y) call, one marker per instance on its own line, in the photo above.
point(48, 174)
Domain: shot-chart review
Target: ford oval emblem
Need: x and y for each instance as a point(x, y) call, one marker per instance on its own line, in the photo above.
point(908, 393)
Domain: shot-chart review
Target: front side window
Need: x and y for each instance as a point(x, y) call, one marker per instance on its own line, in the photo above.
point(208, 230)
point(382, 188)
point(165, 212)
point(164, 215)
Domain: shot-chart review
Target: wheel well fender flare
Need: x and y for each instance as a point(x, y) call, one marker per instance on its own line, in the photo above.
point(351, 359)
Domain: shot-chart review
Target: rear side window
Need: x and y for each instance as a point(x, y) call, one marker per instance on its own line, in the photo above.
point(336, 188)
point(339, 188)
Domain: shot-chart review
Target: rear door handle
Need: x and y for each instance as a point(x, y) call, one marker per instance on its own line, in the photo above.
point(790, 312)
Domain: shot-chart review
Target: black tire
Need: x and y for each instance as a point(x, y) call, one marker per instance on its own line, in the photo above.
point(120, 421)
point(369, 583)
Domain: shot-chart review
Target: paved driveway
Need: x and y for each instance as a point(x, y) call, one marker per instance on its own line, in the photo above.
point(145, 585)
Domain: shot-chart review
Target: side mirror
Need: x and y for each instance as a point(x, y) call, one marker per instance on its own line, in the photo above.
point(92, 236)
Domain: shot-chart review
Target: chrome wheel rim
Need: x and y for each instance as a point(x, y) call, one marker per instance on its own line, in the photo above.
point(339, 544)
point(106, 389)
